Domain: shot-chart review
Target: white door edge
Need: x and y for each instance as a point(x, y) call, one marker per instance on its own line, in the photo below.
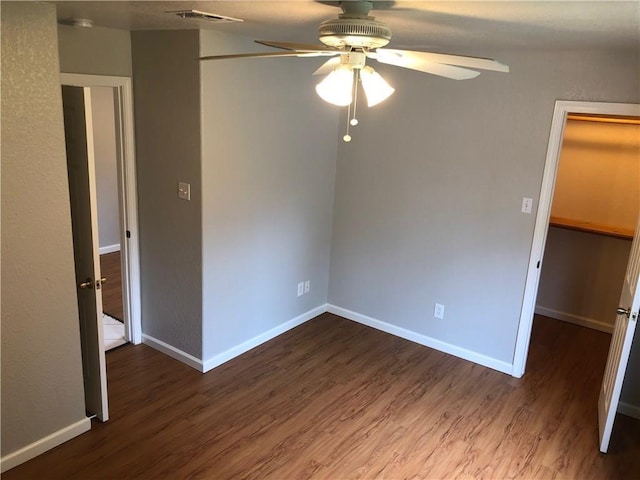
point(129, 196)
point(541, 228)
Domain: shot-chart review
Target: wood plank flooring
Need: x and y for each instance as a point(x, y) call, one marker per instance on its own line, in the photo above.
point(332, 399)
point(112, 289)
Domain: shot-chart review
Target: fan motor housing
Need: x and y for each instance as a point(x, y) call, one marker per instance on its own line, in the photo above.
point(354, 32)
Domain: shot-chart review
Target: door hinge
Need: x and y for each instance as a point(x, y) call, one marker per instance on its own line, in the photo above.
point(128, 234)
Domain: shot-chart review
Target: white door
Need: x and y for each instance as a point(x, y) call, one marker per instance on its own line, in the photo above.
point(621, 339)
point(82, 192)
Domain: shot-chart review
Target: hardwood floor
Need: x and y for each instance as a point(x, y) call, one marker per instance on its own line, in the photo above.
point(332, 399)
point(112, 289)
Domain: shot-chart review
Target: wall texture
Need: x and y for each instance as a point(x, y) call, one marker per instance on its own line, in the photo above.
point(427, 204)
point(42, 388)
point(582, 276)
point(268, 169)
point(166, 83)
point(104, 138)
point(95, 51)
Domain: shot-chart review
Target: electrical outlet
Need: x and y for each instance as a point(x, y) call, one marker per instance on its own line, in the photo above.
point(307, 286)
point(300, 288)
point(438, 311)
point(527, 203)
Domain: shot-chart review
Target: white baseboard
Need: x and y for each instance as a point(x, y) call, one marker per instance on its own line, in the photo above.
point(172, 351)
point(459, 352)
point(109, 249)
point(233, 352)
point(575, 319)
point(629, 410)
point(262, 338)
point(47, 443)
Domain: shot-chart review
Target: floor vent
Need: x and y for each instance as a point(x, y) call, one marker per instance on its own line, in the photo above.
point(209, 17)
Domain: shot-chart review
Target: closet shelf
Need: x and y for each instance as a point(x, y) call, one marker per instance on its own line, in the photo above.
point(582, 226)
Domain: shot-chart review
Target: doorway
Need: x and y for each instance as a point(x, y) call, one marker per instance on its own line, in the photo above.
point(103, 124)
point(124, 236)
point(629, 303)
point(99, 137)
point(592, 224)
point(543, 217)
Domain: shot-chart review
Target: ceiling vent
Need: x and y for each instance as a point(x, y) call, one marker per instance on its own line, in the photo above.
point(209, 17)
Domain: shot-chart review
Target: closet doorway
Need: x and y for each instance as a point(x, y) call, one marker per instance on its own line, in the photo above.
point(593, 220)
point(625, 317)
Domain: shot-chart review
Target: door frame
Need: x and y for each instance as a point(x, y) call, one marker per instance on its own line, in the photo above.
point(127, 192)
point(541, 228)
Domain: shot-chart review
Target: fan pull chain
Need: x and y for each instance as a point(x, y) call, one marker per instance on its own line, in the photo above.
point(356, 81)
point(347, 137)
point(351, 119)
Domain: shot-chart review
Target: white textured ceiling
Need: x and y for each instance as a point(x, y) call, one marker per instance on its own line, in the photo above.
point(440, 26)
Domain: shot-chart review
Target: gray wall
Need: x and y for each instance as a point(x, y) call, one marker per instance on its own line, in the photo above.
point(268, 169)
point(167, 105)
point(427, 204)
point(104, 140)
point(582, 274)
point(96, 51)
point(42, 389)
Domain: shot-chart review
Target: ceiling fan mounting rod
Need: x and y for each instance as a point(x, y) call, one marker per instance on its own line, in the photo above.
point(354, 28)
point(356, 9)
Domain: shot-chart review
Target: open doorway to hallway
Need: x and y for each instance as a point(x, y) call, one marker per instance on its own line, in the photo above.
point(109, 208)
point(118, 232)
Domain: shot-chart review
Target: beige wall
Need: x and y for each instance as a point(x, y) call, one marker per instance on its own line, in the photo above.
point(42, 388)
point(95, 51)
point(598, 178)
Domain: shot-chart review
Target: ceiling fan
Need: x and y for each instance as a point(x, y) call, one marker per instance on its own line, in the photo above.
point(351, 39)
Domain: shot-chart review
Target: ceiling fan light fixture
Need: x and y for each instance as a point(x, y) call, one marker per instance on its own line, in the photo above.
point(336, 88)
point(376, 89)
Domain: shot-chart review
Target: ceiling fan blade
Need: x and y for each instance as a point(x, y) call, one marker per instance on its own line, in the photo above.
point(422, 65)
point(268, 54)
point(449, 59)
point(328, 66)
point(305, 47)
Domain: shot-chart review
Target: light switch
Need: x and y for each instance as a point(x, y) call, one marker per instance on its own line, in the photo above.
point(526, 204)
point(184, 191)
